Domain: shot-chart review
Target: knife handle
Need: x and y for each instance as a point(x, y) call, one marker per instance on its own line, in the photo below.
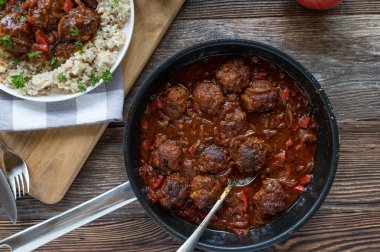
point(40, 234)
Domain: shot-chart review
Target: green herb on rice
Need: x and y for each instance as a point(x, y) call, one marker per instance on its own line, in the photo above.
point(79, 46)
point(94, 79)
point(61, 77)
point(54, 61)
point(7, 41)
point(116, 2)
point(33, 54)
point(18, 80)
point(81, 87)
point(107, 76)
point(74, 31)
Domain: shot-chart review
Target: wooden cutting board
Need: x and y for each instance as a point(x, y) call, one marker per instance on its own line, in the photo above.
point(55, 156)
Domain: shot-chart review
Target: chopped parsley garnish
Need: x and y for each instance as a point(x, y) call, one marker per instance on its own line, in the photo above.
point(81, 87)
point(2, 2)
point(18, 80)
point(116, 2)
point(23, 19)
point(6, 41)
point(74, 31)
point(93, 80)
point(54, 61)
point(61, 77)
point(33, 54)
point(78, 45)
point(107, 76)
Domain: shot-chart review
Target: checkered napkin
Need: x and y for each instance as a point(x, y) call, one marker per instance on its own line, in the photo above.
point(103, 104)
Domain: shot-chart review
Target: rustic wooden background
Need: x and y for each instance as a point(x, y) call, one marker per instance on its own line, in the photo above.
point(341, 47)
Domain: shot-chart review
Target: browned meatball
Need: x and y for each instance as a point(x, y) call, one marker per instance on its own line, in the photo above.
point(249, 153)
point(64, 50)
point(233, 121)
point(46, 14)
point(174, 192)
point(234, 75)
point(212, 160)
point(261, 96)
point(165, 155)
point(205, 191)
point(83, 20)
point(270, 199)
point(208, 98)
point(15, 34)
point(175, 102)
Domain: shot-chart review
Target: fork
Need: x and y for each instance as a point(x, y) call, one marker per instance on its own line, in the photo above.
point(17, 171)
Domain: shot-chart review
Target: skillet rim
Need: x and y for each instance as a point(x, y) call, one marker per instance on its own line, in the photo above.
point(332, 125)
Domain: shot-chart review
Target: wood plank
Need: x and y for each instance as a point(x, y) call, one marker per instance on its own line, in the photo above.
point(225, 9)
point(55, 156)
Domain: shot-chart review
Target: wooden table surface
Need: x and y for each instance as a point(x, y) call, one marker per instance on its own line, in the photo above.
point(340, 47)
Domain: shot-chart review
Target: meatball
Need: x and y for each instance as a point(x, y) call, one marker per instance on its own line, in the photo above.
point(174, 192)
point(175, 102)
point(165, 155)
point(15, 34)
point(261, 96)
point(83, 20)
point(212, 160)
point(205, 191)
point(64, 50)
point(208, 98)
point(270, 199)
point(46, 14)
point(249, 153)
point(233, 121)
point(234, 75)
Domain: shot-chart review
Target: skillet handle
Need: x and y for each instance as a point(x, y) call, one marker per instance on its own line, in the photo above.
point(40, 234)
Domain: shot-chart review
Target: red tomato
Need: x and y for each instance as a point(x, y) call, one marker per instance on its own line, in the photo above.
point(319, 4)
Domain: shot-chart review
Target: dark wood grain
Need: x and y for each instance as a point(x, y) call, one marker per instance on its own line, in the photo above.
point(340, 47)
point(217, 9)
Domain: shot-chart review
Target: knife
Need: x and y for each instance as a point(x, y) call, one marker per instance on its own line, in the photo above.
point(7, 199)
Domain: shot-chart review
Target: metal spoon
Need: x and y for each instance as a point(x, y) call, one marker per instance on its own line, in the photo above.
point(189, 245)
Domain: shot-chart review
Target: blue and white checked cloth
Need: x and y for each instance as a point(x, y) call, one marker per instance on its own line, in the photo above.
point(103, 104)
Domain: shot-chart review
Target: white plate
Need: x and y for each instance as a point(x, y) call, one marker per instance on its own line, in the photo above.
point(56, 95)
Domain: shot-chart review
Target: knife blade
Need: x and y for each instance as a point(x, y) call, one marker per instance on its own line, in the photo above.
point(7, 199)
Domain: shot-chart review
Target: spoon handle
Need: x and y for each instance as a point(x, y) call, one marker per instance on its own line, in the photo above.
point(189, 245)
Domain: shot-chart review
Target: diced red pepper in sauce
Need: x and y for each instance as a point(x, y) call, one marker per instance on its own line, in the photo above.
point(144, 124)
point(304, 122)
point(192, 151)
point(25, 6)
point(305, 179)
point(158, 104)
point(159, 180)
point(289, 143)
point(300, 188)
point(42, 43)
point(145, 145)
point(288, 171)
point(68, 6)
point(244, 199)
point(286, 94)
point(295, 126)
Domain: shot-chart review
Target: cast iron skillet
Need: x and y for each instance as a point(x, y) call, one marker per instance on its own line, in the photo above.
point(305, 206)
